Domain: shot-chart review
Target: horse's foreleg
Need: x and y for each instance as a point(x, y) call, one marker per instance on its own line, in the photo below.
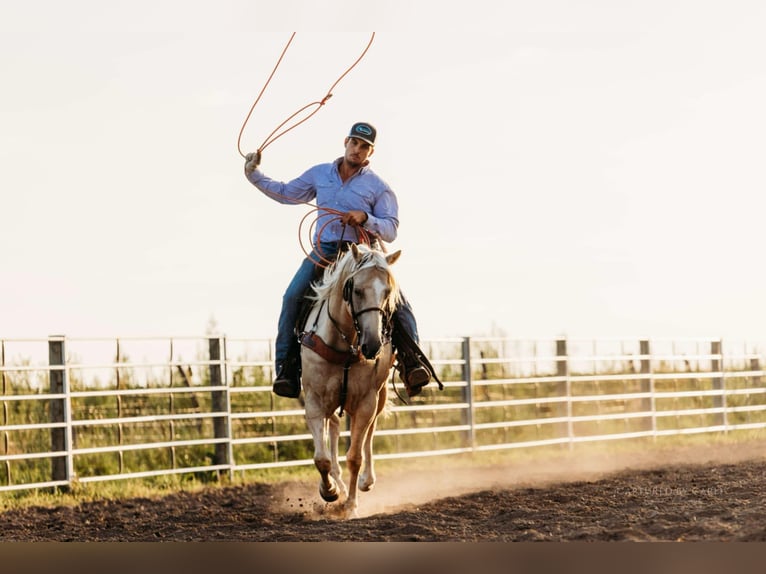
point(367, 476)
point(335, 469)
point(361, 422)
point(317, 423)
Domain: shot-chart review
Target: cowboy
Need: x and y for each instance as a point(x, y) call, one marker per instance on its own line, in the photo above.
point(368, 206)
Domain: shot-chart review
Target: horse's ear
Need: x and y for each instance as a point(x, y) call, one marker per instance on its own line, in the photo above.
point(355, 252)
point(391, 259)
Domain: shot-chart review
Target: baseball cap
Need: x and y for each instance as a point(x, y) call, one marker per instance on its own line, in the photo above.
point(363, 131)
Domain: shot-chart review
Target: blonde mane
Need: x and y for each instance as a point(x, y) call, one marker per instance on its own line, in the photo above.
point(346, 267)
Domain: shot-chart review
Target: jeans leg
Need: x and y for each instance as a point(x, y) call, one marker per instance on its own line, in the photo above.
point(290, 306)
point(406, 318)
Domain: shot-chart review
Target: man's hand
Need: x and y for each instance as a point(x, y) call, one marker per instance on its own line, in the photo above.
point(252, 161)
point(355, 218)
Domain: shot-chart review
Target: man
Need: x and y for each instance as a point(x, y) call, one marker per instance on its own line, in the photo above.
point(350, 187)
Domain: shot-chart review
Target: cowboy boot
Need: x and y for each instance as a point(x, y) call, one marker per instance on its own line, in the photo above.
point(413, 374)
point(288, 381)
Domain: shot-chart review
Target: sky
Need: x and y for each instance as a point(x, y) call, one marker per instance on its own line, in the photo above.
point(588, 169)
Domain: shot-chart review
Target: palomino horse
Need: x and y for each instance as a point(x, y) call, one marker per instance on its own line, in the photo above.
point(346, 356)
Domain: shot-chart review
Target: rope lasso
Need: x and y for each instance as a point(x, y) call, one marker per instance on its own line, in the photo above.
point(363, 235)
point(271, 138)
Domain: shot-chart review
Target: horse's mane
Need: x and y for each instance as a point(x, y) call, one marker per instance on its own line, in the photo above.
point(346, 266)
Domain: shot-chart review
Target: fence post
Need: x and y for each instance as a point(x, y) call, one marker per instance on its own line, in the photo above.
point(562, 370)
point(59, 413)
point(468, 391)
point(756, 380)
point(4, 391)
point(219, 403)
point(647, 384)
point(755, 366)
point(719, 384)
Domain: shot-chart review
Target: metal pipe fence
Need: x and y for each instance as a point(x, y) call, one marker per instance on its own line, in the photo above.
point(90, 410)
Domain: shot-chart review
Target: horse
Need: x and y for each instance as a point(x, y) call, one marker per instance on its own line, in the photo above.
point(346, 356)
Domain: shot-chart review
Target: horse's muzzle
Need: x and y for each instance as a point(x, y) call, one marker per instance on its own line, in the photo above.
point(370, 351)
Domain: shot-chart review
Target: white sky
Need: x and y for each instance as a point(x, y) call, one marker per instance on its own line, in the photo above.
point(586, 168)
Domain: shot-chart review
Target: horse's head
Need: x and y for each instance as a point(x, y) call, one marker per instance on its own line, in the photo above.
point(371, 294)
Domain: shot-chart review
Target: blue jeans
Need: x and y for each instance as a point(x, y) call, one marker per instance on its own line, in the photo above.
point(291, 301)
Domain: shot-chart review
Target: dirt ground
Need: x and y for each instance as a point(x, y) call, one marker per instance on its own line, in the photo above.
point(698, 493)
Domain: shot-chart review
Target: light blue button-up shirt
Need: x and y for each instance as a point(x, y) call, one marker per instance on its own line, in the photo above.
point(364, 191)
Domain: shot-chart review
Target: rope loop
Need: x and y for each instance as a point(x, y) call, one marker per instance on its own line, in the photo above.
point(272, 137)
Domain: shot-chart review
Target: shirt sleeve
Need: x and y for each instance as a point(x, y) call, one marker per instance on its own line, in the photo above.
point(298, 190)
point(384, 219)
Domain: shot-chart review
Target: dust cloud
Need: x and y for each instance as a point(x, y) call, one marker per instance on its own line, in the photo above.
point(405, 485)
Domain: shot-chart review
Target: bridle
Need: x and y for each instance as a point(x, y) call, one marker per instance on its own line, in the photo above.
point(348, 297)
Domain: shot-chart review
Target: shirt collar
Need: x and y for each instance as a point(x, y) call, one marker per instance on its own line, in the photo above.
point(365, 166)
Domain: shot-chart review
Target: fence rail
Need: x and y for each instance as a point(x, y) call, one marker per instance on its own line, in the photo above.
point(77, 410)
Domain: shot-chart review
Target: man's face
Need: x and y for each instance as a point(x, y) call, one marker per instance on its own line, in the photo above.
point(357, 151)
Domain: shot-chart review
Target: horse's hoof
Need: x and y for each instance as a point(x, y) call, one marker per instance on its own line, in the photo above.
point(366, 483)
point(329, 496)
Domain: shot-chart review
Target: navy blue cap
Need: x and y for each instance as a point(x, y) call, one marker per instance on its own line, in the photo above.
point(364, 132)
